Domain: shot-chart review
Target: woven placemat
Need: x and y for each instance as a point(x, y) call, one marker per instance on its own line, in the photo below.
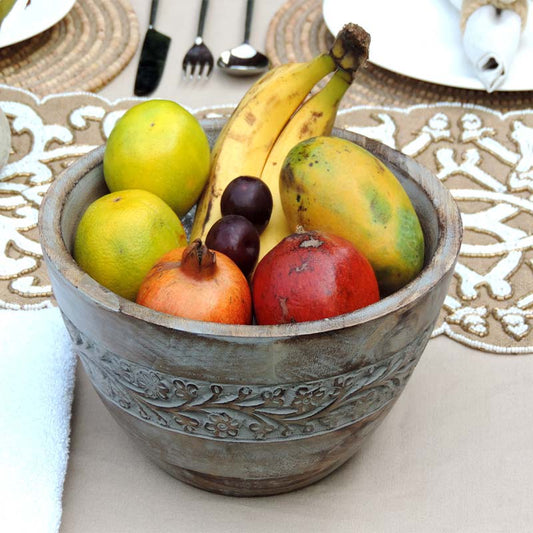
point(298, 32)
point(83, 52)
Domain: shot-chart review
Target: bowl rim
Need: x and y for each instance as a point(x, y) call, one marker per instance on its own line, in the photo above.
point(442, 261)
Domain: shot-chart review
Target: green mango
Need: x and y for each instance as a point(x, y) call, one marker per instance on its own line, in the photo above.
point(334, 185)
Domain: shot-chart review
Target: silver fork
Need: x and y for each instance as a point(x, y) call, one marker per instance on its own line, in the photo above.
point(199, 58)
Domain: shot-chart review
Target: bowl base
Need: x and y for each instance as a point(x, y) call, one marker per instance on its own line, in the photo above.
point(230, 486)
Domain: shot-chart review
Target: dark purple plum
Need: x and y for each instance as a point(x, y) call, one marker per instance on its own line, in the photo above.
point(236, 237)
point(249, 197)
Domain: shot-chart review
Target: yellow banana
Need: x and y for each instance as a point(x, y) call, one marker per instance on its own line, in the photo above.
point(246, 139)
point(315, 117)
point(245, 142)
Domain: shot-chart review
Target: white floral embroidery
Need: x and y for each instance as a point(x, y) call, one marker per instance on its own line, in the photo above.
point(498, 222)
point(486, 308)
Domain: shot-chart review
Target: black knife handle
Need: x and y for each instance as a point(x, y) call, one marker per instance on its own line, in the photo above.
point(201, 20)
point(153, 12)
point(248, 23)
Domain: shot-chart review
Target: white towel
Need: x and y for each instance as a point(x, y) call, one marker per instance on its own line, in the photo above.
point(36, 387)
point(491, 39)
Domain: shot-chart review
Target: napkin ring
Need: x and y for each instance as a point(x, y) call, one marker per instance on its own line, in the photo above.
point(518, 6)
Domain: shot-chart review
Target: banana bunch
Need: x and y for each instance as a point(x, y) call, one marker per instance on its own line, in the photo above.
point(276, 113)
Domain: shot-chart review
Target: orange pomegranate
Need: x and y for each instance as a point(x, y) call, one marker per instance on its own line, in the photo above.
point(197, 283)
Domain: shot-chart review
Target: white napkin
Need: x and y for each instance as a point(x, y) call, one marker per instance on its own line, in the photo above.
point(490, 41)
point(36, 388)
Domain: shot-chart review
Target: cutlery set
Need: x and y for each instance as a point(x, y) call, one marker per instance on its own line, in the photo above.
point(198, 62)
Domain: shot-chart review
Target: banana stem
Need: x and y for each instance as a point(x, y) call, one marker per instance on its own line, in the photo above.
point(338, 85)
point(350, 49)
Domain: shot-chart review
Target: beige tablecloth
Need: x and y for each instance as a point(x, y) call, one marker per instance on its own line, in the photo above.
point(454, 454)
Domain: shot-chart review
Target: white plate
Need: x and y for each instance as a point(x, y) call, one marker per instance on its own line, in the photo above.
point(27, 20)
point(421, 39)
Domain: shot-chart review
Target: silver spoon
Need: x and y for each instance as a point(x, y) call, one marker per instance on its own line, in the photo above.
point(244, 60)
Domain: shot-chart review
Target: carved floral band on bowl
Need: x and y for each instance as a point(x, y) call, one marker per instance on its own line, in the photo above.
point(244, 412)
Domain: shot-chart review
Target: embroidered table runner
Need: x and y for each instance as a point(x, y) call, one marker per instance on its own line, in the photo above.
point(484, 157)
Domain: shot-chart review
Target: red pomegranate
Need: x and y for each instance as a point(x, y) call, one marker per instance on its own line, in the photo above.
point(310, 276)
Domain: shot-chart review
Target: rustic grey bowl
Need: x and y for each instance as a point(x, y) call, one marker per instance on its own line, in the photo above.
point(248, 410)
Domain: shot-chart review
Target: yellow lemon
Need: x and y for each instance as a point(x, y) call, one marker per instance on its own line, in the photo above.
point(122, 235)
point(160, 147)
